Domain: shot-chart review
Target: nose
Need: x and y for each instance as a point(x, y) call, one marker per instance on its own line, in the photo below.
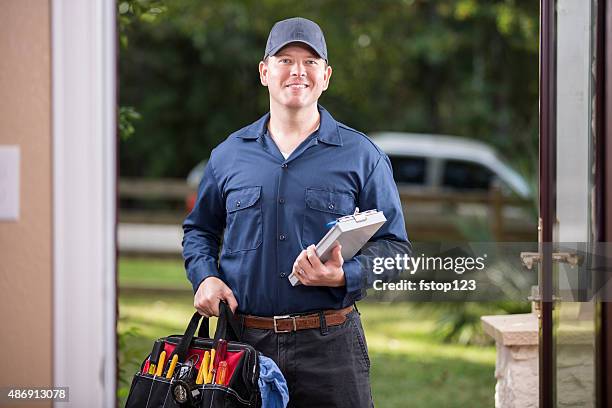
point(298, 69)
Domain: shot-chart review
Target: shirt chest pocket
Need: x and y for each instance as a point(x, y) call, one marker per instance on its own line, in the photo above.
point(244, 228)
point(322, 207)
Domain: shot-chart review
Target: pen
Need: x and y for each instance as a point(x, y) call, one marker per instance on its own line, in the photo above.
point(172, 366)
point(160, 365)
point(331, 223)
point(203, 368)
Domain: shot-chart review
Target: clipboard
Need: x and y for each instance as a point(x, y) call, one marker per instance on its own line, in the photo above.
point(351, 231)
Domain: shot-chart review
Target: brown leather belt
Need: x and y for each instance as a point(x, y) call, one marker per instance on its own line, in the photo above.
point(287, 323)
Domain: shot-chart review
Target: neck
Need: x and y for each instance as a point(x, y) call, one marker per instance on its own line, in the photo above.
point(292, 124)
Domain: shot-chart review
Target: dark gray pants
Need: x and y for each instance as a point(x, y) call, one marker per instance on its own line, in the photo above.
point(329, 369)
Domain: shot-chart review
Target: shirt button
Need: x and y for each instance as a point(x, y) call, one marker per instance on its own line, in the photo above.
point(281, 200)
point(282, 237)
point(283, 274)
point(237, 203)
point(331, 206)
point(284, 165)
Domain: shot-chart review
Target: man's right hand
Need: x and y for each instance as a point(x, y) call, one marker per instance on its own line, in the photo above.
point(211, 291)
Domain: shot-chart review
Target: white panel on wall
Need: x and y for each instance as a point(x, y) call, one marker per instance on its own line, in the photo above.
point(9, 183)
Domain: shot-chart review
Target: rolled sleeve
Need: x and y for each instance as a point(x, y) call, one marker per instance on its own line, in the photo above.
point(353, 275)
point(203, 229)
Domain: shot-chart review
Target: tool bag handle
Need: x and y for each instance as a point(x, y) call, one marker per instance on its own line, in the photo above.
point(227, 328)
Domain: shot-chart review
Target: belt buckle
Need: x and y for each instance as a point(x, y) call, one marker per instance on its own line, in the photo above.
point(276, 318)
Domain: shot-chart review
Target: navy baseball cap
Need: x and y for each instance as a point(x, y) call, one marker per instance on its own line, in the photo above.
point(296, 29)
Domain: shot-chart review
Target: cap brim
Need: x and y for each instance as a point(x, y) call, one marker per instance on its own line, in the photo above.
point(276, 49)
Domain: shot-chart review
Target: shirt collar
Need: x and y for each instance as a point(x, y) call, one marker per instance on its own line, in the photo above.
point(328, 129)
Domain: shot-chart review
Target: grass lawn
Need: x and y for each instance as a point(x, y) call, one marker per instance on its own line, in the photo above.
point(167, 273)
point(410, 368)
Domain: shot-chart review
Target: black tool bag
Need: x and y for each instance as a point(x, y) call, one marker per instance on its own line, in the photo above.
point(239, 390)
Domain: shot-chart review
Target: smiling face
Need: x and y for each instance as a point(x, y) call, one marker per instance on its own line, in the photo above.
point(295, 76)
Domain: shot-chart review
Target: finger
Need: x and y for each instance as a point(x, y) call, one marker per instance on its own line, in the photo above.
point(303, 255)
point(214, 308)
point(198, 304)
point(296, 269)
point(204, 312)
point(336, 257)
point(231, 301)
point(299, 272)
point(300, 276)
point(312, 257)
point(306, 267)
point(200, 311)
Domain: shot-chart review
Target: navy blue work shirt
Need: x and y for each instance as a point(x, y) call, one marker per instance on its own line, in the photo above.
point(268, 209)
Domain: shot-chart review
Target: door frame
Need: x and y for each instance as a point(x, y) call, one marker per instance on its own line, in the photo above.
point(546, 199)
point(84, 61)
point(603, 186)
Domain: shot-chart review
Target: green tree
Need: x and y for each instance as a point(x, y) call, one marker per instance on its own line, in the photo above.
point(467, 68)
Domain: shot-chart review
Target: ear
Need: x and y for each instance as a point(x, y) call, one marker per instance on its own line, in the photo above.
point(263, 73)
point(326, 76)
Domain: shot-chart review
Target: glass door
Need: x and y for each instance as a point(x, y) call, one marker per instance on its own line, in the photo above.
point(567, 175)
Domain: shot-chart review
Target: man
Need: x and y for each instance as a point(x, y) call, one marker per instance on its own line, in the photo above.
point(273, 186)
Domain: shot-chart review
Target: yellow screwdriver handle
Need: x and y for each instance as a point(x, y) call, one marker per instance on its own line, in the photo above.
point(172, 366)
point(203, 368)
point(160, 364)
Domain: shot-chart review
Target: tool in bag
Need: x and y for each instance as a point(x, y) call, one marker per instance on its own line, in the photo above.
point(188, 371)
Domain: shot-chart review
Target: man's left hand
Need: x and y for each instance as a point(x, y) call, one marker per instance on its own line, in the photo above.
point(312, 272)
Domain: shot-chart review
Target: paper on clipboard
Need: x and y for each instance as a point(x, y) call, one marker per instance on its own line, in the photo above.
point(352, 232)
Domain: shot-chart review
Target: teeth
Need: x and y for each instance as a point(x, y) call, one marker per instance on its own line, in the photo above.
point(297, 86)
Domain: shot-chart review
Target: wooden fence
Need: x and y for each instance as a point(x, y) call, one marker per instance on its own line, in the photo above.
point(155, 201)
point(429, 216)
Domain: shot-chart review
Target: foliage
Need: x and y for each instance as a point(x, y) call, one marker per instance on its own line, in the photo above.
point(134, 10)
point(128, 11)
point(127, 115)
point(128, 357)
point(467, 67)
point(459, 322)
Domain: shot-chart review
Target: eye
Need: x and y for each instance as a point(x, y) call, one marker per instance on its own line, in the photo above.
point(285, 61)
point(311, 62)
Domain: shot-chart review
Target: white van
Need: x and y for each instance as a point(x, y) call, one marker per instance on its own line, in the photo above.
point(441, 163)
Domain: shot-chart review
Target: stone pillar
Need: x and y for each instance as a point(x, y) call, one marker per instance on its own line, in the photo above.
point(516, 367)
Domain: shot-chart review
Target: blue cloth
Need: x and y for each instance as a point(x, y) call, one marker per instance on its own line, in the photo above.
point(272, 385)
point(268, 208)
